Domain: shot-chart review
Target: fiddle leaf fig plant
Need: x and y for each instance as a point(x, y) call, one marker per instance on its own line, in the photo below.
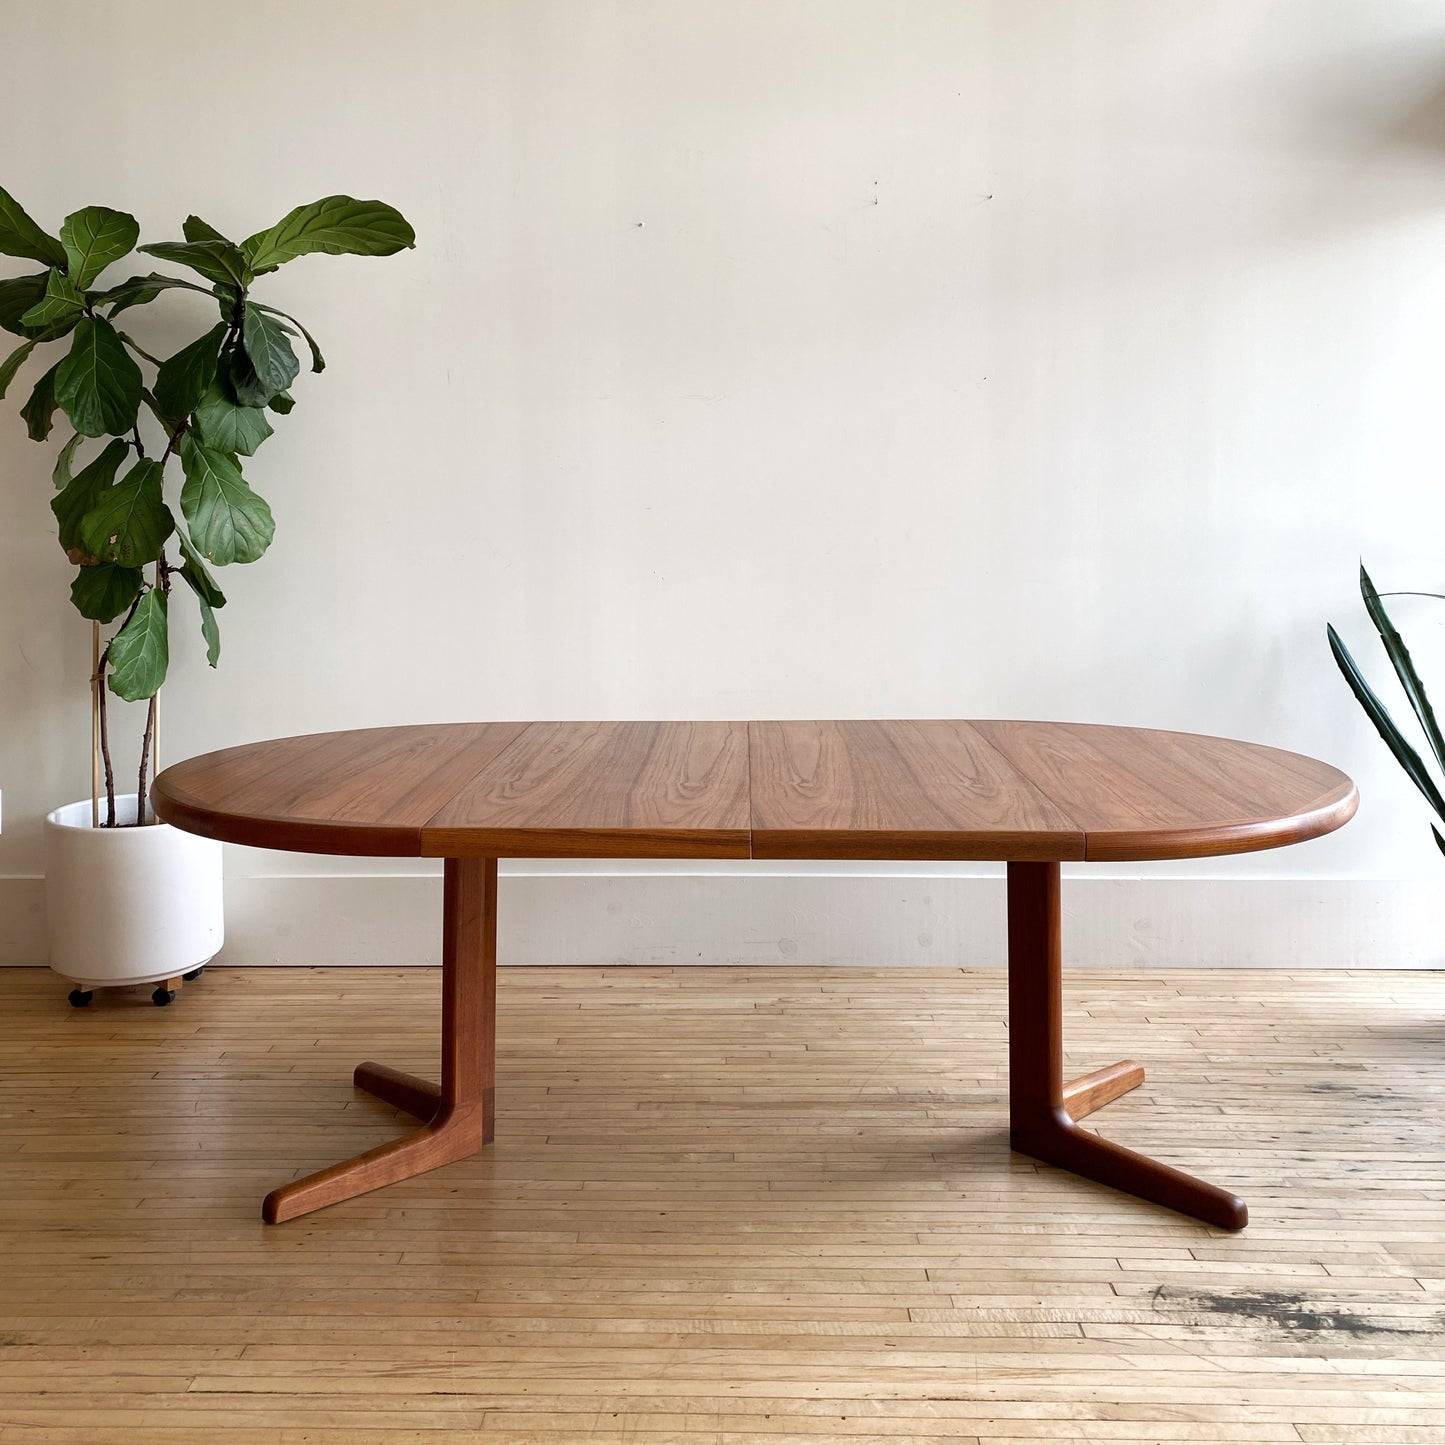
point(134, 417)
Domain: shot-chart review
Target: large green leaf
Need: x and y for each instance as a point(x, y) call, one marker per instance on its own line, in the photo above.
point(184, 378)
point(1385, 725)
point(12, 364)
point(195, 229)
point(208, 598)
point(1400, 660)
point(95, 237)
point(197, 576)
point(270, 353)
point(60, 473)
point(80, 494)
point(103, 592)
point(130, 521)
point(58, 310)
point(337, 225)
point(282, 403)
point(127, 296)
point(239, 378)
point(318, 362)
point(137, 290)
point(226, 427)
point(228, 521)
point(20, 236)
point(170, 424)
point(140, 651)
point(98, 384)
point(215, 260)
point(39, 411)
point(17, 295)
point(210, 631)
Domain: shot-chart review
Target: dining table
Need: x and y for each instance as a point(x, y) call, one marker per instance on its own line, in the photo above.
point(1032, 795)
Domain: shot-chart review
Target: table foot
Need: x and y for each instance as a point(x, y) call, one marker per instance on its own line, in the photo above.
point(1042, 1108)
point(460, 1112)
point(1093, 1091)
point(454, 1134)
point(1056, 1139)
point(417, 1097)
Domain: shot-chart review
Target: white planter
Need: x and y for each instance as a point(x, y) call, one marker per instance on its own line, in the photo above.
point(129, 905)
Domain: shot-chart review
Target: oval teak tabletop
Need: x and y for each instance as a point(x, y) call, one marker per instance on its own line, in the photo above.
point(1016, 791)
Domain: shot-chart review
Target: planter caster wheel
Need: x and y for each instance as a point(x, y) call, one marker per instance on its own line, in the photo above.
point(80, 997)
point(193, 975)
point(163, 996)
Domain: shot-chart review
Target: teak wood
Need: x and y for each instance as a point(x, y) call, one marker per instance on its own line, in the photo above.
point(460, 1114)
point(1029, 794)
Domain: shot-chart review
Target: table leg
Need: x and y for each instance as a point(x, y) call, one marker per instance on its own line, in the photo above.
point(1042, 1108)
point(460, 1114)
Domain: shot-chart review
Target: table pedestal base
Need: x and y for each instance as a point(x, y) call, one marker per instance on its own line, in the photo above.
point(1042, 1108)
point(460, 1114)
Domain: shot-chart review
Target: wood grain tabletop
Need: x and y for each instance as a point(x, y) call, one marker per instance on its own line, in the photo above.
point(920, 789)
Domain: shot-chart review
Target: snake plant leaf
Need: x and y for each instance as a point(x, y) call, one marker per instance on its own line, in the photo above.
point(20, 236)
point(227, 520)
point(58, 310)
point(17, 295)
point(60, 473)
point(140, 651)
point(98, 385)
point(80, 495)
point(318, 362)
point(103, 592)
point(1405, 755)
point(195, 229)
point(269, 351)
point(95, 237)
point(226, 427)
point(337, 225)
point(39, 411)
point(130, 521)
point(183, 379)
point(1400, 660)
point(12, 364)
point(217, 261)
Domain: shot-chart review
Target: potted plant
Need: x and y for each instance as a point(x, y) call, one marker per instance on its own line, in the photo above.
point(132, 900)
point(1414, 690)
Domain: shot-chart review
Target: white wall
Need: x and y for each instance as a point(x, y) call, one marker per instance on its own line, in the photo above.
point(1049, 358)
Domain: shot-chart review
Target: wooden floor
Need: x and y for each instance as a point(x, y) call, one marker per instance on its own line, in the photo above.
point(723, 1206)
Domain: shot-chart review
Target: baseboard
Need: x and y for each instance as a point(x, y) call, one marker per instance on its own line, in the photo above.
point(874, 919)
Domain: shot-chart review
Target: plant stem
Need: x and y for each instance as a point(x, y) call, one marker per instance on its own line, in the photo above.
point(100, 689)
point(163, 581)
point(174, 441)
point(130, 342)
point(145, 757)
point(105, 746)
